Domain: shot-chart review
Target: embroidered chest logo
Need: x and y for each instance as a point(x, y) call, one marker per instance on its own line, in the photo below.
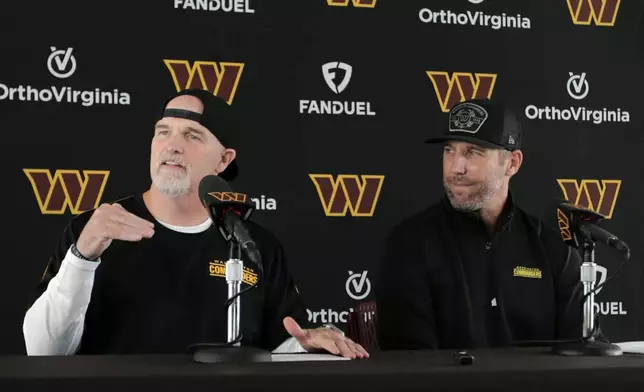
point(217, 268)
point(525, 272)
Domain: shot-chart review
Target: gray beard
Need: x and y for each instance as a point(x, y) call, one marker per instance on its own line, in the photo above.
point(172, 186)
point(477, 200)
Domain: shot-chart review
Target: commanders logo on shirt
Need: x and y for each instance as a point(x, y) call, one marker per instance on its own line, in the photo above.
point(525, 272)
point(217, 268)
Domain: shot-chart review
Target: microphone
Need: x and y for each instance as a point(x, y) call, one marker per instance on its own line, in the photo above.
point(598, 234)
point(228, 210)
point(578, 225)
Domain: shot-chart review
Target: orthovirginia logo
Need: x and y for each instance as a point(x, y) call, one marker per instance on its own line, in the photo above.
point(263, 203)
point(235, 6)
point(348, 193)
point(61, 64)
point(597, 195)
point(578, 88)
point(67, 189)
point(356, 3)
point(331, 315)
point(358, 285)
point(475, 18)
point(597, 12)
point(219, 78)
point(460, 86)
point(337, 76)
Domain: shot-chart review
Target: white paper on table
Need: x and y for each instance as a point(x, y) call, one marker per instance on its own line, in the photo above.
point(307, 357)
point(632, 347)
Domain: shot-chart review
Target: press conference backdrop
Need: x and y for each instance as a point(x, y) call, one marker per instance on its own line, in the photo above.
point(337, 96)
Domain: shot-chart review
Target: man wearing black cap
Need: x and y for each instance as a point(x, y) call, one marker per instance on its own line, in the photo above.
point(475, 270)
point(146, 274)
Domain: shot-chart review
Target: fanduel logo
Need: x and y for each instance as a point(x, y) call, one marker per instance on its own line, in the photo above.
point(329, 76)
point(264, 203)
point(607, 308)
point(610, 308)
point(475, 18)
point(62, 65)
point(331, 72)
point(578, 89)
point(236, 6)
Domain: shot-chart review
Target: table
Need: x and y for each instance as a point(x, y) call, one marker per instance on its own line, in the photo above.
point(521, 369)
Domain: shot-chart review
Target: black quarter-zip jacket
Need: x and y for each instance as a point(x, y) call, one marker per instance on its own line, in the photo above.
point(447, 282)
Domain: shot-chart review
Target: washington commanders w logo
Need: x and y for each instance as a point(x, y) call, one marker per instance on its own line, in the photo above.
point(591, 194)
point(348, 193)
point(564, 225)
point(229, 196)
point(221, 78)
point(67, 188)
point(356, 3)
point(602, 12)
point(461, 86)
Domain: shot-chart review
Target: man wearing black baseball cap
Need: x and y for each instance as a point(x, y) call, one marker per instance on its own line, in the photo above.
point(144, 275)
point(475, 270)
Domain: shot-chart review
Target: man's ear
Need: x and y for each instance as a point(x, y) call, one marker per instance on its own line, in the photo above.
point(226, 157)
point(516, 159)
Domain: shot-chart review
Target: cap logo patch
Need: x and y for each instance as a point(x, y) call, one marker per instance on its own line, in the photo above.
point(467, 117)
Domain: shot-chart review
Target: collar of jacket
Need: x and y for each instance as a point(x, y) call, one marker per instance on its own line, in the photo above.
point(503, 223)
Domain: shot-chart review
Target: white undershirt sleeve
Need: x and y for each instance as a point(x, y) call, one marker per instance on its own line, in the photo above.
point(54, 323)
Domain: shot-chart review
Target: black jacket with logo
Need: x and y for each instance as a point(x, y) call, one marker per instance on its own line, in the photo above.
point(445, 282)
point(163, 294)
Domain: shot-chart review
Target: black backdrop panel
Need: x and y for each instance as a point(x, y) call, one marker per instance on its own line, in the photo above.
point(338, 96)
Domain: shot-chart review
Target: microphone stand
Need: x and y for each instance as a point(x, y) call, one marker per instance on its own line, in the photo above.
point(234, 271)
point(232, 351)
point(588, 346)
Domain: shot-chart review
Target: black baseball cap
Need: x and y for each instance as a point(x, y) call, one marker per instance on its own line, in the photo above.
point(218, 117)
point(482, 122)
